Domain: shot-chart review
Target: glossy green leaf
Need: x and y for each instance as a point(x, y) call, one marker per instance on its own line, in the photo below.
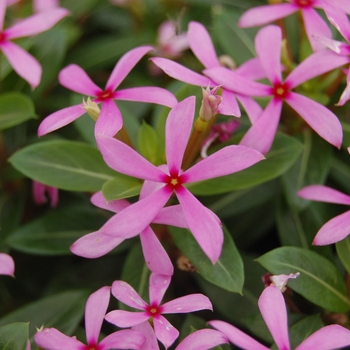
point(343, 251)
point(149, 143)
point(227, 273)
point(121, 187)
point(320, 281)
point(14, 336)
point(15, 109)
point(68, 165)
point(284, 152)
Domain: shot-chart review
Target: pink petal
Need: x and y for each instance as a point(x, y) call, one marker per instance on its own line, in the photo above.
point(95, 244)
point(155, 255)
point(251, 69)
point(51, 338)
point(187, 303)
point(36, 24)
point(158, 284)
point(323, 193)
point(127, 295)
point(203, 225)
point(329, 337)
point(116, 206)
point(177, 132)
point(334, 230)
point(123, 339)
point(150, 94)
point(261, 134)
point(2, 14)
point(151, 342)
point(273, 310)
point(202, 45)
point(75, 78)
point(271, 37)
point(125, 160)
point(236, 336)
point(261, 15)
point(229, 105)
point(95, 310)
point(24, 64)
point(125, 64)
point(59, 119)
point(43, 5)
point(227, 160)
point(202, 340)
point(173, 216)
point(123, 318)
point(320, 118)
point(345, 96)
point(339, 19)
point(7, 265)
point(165, 331)
point(252, 108)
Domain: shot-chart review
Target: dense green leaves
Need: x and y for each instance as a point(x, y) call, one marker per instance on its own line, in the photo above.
point(14, 336)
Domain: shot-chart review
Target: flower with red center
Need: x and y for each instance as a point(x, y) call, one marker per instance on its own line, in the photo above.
point(158, 284)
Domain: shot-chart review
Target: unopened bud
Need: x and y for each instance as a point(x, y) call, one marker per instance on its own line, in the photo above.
point(210, 103)
point(227, 61)
point(280, 281)
point(92, 108)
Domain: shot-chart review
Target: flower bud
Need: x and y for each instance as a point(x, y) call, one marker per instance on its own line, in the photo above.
point(210, 103)
point(92, 108)
point(280, 281)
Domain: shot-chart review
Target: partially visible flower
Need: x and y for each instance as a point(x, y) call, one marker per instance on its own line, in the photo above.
point(210, 103)
point(337, 228)
point(39, 194)
point(158, 284)
point(7, 265)
point(95, 310)
point(273, 310)
point(280, 281)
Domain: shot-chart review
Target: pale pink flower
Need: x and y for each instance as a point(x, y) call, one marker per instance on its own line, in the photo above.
point(40, 190)
point(273, 310)
point(158, 284)
point(7, 265)
point(95, 310)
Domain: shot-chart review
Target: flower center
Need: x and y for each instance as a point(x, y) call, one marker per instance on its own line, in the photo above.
point(92, 347)
point(304, 3)
point(105, 95)
point(280, 90)
point(2, 37)
point(153, 310)
point(173, 181)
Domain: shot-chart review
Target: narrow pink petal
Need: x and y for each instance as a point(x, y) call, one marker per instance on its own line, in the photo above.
point(173, 216)
point(95, 310)
point(334, 230)
point(165, 331)
point(252, 108)
point(202, 340)
point(95, 244)
point(156, 257)
point(318, 63)
point(320, 118)
point(125, 65)
point(36, 24)
point(273, 310)
point(2, 14)
point(271, 37)
point(150, 187)
point(236, 336)
point(229, 105)
point(251, 69)
point(125, 160)
point(24, 64)
point(127, 295)
point(343, 4)
point(123, 339)
point(339, 19)
point(202, 45)
point(43, 5)
point(7, 265)
point(158, 284)
point(227, 160)
point(59, 119)
point(345, 96)
point(329, 337)
point(151, 342)
point(261, 15)
point(75, 78)
point(187, 303)
point(261, 134)
point(177, 132)
point(315, 25)
point(110, 120)
point(116, 205)
point(203, 225)
point(323, 193)
point(181, 73)
point(51, 338)
point(150, 94)
point(123, 318)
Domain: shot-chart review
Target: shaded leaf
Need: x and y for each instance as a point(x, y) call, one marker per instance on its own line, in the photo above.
point(121, 187)
point(343, 251)
point(14, 336)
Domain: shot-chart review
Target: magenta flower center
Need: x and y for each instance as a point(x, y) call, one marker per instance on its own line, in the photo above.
point(174, 181)
point(304, 3)
point(2, 37)
point(92, 347)
point(153, 310)
point(105, 95)
point(280, 90)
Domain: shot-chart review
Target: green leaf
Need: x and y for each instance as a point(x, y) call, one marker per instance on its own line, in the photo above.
point(284, 152)
point(120, 187)
point(149, 143)
point(227, 273)
point(68, 165)
point(15, 109)
point(14, 336)
point(343, 251)
point(319, 282)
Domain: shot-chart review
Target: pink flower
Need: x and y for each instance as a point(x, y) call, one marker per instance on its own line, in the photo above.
point(7, 265)
point(21, 61)
point(170, 178)
point(337, 228)
point(261, 134)
point(274, 312)
point(39, 197)
point(158, 285)
point(110, 120)
point(95, 310)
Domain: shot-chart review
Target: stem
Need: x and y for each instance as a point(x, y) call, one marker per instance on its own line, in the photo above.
point(123, 136)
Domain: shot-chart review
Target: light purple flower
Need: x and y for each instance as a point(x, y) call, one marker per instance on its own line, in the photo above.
point(110, 120)
point(273, 310)
point(95, 310)
point(21, 61)
point(158, 284)
point(337, 228)
point(168, 179)
point(7, 265)
point(39, 197)
point(261, 134)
